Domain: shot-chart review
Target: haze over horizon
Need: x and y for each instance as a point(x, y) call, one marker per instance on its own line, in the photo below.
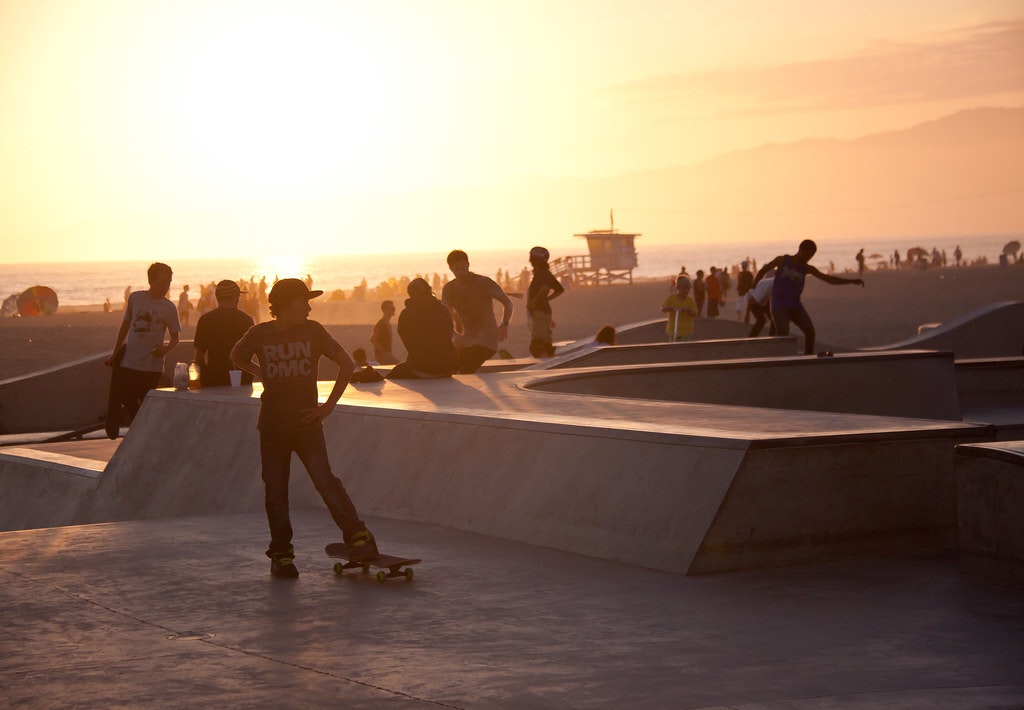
point(204, 128)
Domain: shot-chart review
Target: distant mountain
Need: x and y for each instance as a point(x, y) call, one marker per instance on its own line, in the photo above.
point(962, 174)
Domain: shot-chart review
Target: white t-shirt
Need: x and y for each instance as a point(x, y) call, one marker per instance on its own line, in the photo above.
point(148, 319)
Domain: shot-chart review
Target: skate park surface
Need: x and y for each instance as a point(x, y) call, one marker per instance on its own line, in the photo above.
point(567, 533)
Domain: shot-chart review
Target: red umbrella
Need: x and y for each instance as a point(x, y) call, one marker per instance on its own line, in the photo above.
point(37, 301)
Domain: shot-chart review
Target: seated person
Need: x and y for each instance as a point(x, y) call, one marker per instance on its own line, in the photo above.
point(425, 327)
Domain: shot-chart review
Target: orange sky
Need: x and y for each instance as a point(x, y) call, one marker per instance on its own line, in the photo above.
point(115, 114)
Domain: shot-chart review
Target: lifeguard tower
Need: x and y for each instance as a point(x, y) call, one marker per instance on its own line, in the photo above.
point(612, 258)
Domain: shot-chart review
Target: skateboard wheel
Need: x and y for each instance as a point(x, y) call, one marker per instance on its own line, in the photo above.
point(382, 577)
point(339, 568)
point(409, 573)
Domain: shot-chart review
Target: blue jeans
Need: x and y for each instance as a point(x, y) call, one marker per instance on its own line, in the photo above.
point(276, 454)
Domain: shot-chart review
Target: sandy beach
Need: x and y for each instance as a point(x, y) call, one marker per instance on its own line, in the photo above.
point(889, 309)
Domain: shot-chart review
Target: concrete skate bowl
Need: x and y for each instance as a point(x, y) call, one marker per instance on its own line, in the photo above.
point(996, 330)
point(70, 396)
point(917, 384)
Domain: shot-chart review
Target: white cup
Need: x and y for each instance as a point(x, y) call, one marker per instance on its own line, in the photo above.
point(236, 377)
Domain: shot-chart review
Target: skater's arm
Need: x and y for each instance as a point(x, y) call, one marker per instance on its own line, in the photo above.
point(241, 357)
point(834, 280)
point(506, 315)
point(346, 367)
point(122, 333)
point(773, 264)
point(161, 350)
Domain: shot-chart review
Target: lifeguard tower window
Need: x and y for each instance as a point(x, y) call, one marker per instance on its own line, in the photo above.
point(612, 259)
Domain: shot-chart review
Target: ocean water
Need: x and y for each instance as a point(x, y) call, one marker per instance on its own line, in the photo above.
point(88, 283)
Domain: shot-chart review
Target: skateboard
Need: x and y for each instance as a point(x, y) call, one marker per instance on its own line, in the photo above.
point(393, 565)
point(115, 398)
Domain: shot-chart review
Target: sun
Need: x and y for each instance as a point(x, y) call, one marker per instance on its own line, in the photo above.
point(279, 100)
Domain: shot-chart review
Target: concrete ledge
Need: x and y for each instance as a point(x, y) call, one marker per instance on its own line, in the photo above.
point(693, 351)
point(42, 489)
point(996, 330)
point(646, 483)
point(917, 384)
point(990, 511)
point(990, 382)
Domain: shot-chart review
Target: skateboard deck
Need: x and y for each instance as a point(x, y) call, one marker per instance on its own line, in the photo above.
point(389, 566)
point(115, 397)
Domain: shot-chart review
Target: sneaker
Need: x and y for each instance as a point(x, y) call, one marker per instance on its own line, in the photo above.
point(284, 567)
point(362, 546)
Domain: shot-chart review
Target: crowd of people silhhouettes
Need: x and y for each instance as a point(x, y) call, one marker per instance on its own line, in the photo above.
point(447, 325)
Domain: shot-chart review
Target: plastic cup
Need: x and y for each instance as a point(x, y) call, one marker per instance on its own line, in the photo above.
point(236, 377)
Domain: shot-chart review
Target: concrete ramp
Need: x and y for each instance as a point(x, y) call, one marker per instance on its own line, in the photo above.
point(905, 384)
point(692, 351)
point(70, 396)
point(996, 330)
point(680, 487)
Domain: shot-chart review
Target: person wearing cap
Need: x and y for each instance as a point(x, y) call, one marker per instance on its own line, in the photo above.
point(469, 297)
point(681, 310)
point(425, 327)
point(288, 351)
point(217, 331)
point(544, 287)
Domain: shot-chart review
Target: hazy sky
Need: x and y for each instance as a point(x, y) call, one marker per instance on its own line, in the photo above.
point(126, 109)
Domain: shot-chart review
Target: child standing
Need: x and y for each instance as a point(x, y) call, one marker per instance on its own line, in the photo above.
point(543, 289)
point(288, 351)
point(681, 310)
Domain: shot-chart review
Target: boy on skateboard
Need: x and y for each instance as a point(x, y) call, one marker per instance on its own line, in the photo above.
point(790, 272)
point(288, 351)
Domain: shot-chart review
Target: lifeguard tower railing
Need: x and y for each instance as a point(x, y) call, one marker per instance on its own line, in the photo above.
point(612, 259)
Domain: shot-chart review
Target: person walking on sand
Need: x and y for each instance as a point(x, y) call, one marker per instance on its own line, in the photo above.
point(544, 288)
point(381, 337)
point(184, 306)
point(699, 291)
point(469, 297)
point(217, 331)
point(681, 310)
point(714, 292)
point(790, 272)
point(288, 350)
point(139, 348)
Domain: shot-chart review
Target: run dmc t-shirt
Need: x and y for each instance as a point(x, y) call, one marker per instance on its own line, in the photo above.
point(288, 361)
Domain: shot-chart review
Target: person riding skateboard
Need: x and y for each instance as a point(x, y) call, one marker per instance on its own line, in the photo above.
point(288, 350)
point(790, 271)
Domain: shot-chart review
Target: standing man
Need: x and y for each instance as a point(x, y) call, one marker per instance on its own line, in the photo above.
point(148, 315)
point(288, 350)
point(381, 337)
point(469, 297)
point(216, 333)
point(184, 306)
point(543, 289)
point(789, 285)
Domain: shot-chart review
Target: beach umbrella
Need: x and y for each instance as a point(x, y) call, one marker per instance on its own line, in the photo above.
point(876, 256)
point(1011, 247)
point(37, 301)
point(10, 307)
point(915, 252)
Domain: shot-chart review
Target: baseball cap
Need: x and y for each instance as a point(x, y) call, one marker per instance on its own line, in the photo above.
point(227, 289)
point(289, 289)
point(540, 253)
